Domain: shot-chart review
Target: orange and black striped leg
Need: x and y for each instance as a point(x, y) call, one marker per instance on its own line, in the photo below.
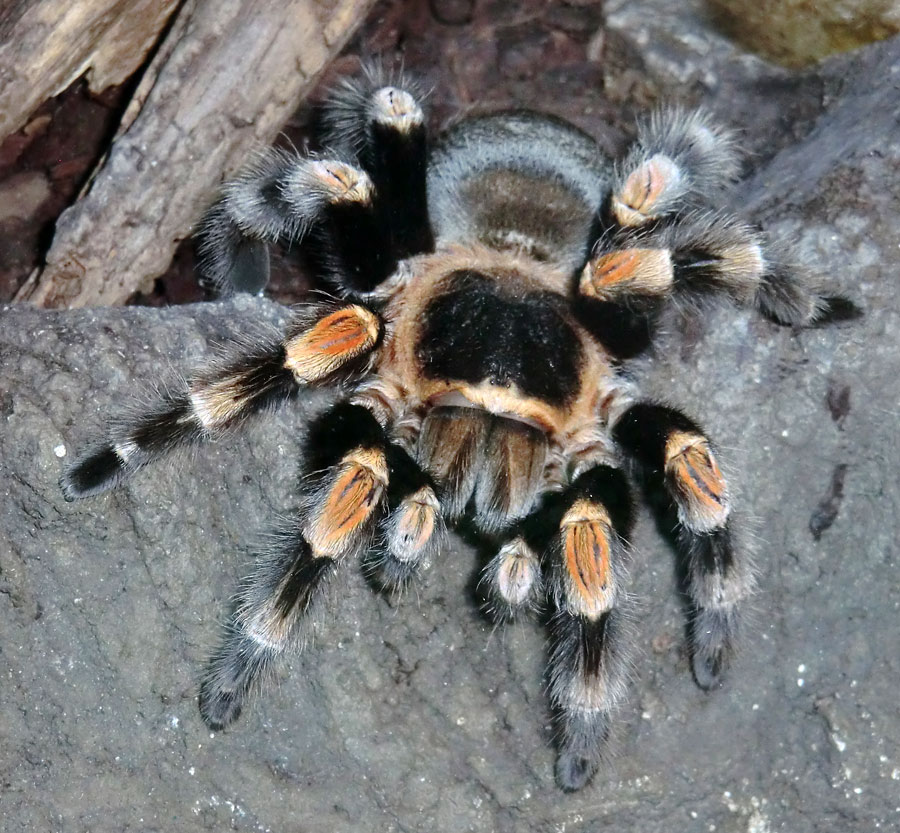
point(676, 455)
point(703, 253)
point(679, 160)
point(343, 499)
point(324, 343)
point(589, 642)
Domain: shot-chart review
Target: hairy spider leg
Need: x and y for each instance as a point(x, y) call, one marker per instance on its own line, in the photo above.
point(323, 343)
point(675, 454)
point(342, 498)
point(585, 529)
point(358, 210)
point(379, 120)
point(706, 252)
point(680, 160)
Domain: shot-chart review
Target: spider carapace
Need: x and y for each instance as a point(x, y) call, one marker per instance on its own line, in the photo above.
point(484, 297)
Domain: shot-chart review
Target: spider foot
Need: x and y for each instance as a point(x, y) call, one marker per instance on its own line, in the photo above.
point(713, 636)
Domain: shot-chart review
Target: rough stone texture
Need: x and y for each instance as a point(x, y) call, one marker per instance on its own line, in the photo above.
point(415, 716)
point(796, 32)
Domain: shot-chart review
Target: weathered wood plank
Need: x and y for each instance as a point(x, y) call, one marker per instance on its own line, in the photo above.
point(46, 44)
point(224, 81)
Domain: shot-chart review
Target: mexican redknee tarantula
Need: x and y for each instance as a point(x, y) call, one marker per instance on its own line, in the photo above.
point(485, 294)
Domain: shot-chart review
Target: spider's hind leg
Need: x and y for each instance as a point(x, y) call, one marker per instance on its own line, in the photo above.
point(379, 120)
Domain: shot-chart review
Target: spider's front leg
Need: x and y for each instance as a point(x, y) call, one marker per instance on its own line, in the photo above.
point(581, 534)
point(357, 482)
point(589, 653)
point(675, 454)
point(323, 343)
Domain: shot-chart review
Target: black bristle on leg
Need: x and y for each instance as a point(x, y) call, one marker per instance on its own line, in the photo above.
point(625, 331)
point(97, 472)
point(399, 172)
point(341, 428)
point(644, 428)
point(350, 245)
point(234, 671)
point(268, 611)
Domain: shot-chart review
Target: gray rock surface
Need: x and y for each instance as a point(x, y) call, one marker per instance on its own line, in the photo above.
point(415, 715)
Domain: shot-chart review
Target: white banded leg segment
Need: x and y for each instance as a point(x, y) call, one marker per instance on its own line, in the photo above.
point(720, 577)
point(133, 442)
point(396, 109)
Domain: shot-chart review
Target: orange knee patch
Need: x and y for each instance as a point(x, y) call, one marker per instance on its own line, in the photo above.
point(646, 186)
point(696, 481)
point(331, 342)
point(587, 537)
point(350, 501)
point(628, 271)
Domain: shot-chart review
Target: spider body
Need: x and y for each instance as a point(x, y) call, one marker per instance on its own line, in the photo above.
point(485, 296)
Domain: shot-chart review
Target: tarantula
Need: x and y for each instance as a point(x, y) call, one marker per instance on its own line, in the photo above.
point(484, 296)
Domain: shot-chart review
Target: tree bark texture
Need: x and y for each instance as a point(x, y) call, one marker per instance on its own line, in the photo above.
point(46, 44)
point(225, 78)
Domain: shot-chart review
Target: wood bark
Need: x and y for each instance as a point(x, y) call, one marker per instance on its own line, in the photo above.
point(46, 44)
point(223, 81)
